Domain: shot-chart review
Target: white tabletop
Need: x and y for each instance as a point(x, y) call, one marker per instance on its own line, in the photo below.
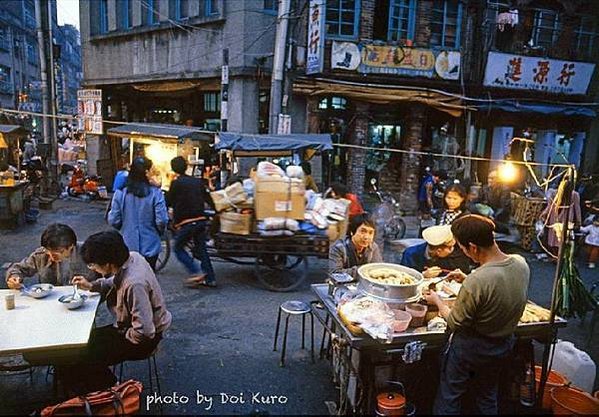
point(39, 324)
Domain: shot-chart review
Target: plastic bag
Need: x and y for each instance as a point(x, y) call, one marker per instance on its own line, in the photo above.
point(294, 171)
point(268, 169)
point(373, 316)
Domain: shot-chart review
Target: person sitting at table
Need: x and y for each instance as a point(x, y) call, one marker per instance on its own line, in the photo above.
point(483, 318)
point(359, 248)
point(134, 297)
point(439, 252)
point(56, 262)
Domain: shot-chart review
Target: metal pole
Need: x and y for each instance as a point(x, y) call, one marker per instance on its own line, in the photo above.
point(53, 108)
point(278, 66)
point(567, 201)
point(43, 70)
point(224, 92)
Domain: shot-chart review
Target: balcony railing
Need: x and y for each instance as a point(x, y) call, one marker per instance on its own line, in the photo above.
point(5, 87)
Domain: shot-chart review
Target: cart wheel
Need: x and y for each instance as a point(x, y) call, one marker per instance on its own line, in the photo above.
point(165, 250)
point(281, 272)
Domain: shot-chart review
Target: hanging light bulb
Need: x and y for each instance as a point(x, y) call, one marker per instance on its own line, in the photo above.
point(508, 173)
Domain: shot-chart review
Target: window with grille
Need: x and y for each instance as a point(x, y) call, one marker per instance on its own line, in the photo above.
point(152, 11)
point(124, 12)
point(546, 29)
point(342, 18)
point(586, 36)
point(4, 39)
point(208, 8)
point(446, 23)
point(271, 5)
point(103, 16)
point(31, 53)
point(402, 20)
point(211, 102)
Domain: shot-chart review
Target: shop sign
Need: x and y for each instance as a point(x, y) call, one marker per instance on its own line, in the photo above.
point(284, 125)
point(541, 74)
point(316, 33)
point(89, 111)
point(395, 60)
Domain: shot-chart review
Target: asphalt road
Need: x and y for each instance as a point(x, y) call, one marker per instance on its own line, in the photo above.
point(220, 344)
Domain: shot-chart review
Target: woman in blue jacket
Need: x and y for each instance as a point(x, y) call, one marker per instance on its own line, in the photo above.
point(139, 212)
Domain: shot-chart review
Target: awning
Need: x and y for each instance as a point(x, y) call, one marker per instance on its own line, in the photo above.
point(379, 94)
point(161, 130)
point(245, 144)
point(514, 106)
point(12, 129)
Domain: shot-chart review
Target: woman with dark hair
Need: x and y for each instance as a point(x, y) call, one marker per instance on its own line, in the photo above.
point(135, 298)
point(357, 249)
point(454, 202)
point(139, 212)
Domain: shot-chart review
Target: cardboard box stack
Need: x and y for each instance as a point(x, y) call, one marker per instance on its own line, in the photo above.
point(279, 197)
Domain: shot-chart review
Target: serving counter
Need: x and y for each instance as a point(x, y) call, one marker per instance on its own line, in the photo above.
point(361, 364)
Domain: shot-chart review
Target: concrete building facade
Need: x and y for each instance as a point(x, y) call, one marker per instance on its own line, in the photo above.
point(161, 60)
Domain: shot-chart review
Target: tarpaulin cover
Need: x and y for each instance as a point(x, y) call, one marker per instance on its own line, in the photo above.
point(379, 94)
point(161, 130)
point(544, 108)
point(245, 142)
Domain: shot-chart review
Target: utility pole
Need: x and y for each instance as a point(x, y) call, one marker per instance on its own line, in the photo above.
point(43, 17)
point(224, 91)
point(278, 66)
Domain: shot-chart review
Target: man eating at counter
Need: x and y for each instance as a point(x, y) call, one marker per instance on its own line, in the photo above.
point(437, 254)
point(482, 320)
point(56, 262)
point(359, 248)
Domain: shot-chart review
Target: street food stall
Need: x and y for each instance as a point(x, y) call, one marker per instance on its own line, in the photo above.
point(368, 359)
point(247, 211)
point(11, 183)
point(161, 143)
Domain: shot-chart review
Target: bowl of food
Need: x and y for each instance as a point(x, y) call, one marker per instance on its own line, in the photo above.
point(71, 302)
point(38, 290)
point(390, 282)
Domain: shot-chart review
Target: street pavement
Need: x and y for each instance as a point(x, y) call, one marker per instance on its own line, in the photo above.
point(220, 345)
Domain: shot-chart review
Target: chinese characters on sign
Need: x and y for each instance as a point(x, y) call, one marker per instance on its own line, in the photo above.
point(541, 74)
point(89, 110)
point(393, 59)
point(316, 29)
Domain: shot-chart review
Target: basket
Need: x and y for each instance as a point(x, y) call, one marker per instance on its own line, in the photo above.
point(526, 211)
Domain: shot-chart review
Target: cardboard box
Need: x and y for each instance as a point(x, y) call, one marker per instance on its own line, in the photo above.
point(280, 185)
point(273, 204)
point(236, 223)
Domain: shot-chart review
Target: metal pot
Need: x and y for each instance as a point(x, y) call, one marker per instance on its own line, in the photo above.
point(388, 292)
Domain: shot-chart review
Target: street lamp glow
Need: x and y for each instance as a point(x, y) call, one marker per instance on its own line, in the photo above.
point(508, 172)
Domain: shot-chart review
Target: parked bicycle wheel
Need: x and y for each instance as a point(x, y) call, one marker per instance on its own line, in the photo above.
point(165, 251)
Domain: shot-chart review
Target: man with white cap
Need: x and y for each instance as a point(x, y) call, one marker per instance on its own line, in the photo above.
point(436, 254)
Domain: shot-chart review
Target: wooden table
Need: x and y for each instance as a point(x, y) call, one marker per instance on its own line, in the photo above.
point(41, 328)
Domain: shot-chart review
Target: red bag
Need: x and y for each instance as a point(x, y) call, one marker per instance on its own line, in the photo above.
point(120, 400)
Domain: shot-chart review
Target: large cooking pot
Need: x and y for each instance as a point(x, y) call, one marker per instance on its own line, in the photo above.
point(389, 292)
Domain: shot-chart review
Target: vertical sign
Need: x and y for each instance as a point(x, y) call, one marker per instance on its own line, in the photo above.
point(284, 126)
point(224, 91)
point(89, 110)
point(316, 29)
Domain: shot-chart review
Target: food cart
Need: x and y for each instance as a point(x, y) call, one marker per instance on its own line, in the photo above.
point(281, 263)
point(161, 143)
point(362, 365)
point(11, 185)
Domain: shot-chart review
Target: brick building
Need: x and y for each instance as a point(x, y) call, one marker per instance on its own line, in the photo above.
point(407, 74)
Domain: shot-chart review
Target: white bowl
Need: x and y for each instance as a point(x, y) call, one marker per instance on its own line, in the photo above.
point(39, 290)
point(70, 303)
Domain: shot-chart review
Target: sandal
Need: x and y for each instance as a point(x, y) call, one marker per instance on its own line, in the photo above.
point(195, 280)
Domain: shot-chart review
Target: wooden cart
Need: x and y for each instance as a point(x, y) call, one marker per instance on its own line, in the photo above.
point(280, 263)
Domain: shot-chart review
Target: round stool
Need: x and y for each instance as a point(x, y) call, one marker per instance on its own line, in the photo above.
point(294, 308)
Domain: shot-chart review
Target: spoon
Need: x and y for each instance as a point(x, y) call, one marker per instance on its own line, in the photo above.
point(76, 295)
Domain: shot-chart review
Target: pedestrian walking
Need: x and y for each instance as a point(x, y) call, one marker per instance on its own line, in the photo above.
point(188, 196)
point(138, 211)
point(592, 241)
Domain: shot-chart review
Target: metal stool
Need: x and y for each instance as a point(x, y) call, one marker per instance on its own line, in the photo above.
point(152, 373)
point(294, 308)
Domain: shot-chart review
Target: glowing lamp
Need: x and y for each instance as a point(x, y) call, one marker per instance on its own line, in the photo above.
point(508, 172)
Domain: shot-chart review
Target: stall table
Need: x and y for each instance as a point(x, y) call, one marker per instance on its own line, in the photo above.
point(44, 328)
point(11, 202)
point(373, 352)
